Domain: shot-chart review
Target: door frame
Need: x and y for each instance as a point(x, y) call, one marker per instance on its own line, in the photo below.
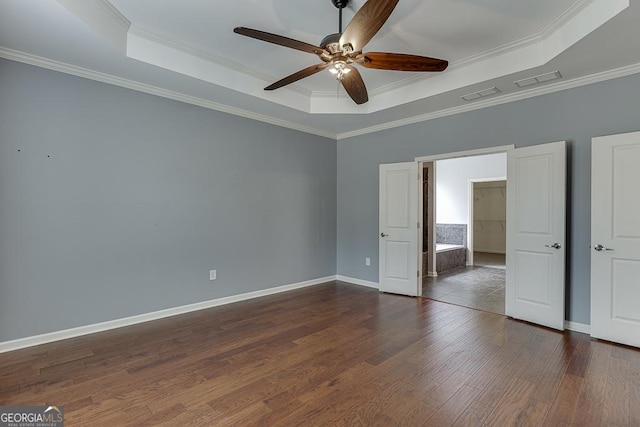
point(433, 158)
point(432, 222)
point(471, 213)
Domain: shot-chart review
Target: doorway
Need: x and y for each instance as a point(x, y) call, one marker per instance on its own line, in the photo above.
point(488, 222)
point(470, 232)
point(536, 214)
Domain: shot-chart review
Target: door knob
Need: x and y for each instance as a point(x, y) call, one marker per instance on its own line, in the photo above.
point(383, 235)
point(601, 248)
point(554, 246)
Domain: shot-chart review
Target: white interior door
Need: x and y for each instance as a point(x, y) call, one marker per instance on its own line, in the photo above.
point(536, 181)
point(398, 249)
point(615, 238)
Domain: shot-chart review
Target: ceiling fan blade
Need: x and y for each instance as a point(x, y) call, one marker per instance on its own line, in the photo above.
point(306, 72)
point(354, 85)
point(401, 62)
point(366, 23)
point(281, 40)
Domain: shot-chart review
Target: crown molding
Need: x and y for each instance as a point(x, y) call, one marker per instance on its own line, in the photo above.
point(504, 99)
point(490, 54)
point(176, 96)
point(582, 17)
point(114, 14)
point(229, 64)
point(565, 17)
point(103, 17)
point(494, 54)
point(154, 90)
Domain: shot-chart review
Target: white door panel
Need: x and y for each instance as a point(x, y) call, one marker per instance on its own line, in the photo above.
point(536, 180)
point(398, 249)
point(615, 238)
point(533, 269)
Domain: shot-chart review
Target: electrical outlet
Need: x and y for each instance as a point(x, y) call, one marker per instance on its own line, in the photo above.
point(367, 261)
point(212, 274)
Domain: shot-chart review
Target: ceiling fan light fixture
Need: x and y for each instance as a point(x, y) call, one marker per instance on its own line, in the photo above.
point(339, 69)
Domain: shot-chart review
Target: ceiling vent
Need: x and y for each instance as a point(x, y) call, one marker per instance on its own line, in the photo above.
point(536, 80)
point(480, 94)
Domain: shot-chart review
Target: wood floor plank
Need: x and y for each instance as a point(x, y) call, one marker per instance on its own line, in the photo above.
point(616, 410)
point(591, 400)
point(504, 379)
point(490, 371)
point(533, 413)
point(634, 394)
point(449, 413)
point(539, 355)
point(197, 416)
point(555, 368)
point(564, 405)
point(580, 357)
point(508, 410)
point(474, 415)
point(331, 354)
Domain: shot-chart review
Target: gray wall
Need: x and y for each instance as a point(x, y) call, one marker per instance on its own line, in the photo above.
point(574, 115)
point(115, 203)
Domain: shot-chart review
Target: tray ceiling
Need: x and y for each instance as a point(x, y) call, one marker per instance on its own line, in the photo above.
point(188, 49)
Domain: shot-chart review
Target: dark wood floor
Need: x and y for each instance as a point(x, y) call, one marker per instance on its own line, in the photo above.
point(333, 354)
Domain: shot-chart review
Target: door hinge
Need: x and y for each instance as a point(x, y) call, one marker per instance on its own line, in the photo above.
point(418, 273)
point(418, 224)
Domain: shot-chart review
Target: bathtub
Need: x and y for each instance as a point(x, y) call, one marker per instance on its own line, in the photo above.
point(444, 247)
point(448, 257)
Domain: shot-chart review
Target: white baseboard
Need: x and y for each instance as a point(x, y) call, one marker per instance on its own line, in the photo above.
point(577, 327)
point(147, 317)
point(174, 311)
point(360, 282)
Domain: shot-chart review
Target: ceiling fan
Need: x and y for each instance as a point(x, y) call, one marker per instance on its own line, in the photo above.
point(338, 51)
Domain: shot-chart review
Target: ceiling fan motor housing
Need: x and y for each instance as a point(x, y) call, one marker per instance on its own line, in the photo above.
point(340, 4)
point(331, 42)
